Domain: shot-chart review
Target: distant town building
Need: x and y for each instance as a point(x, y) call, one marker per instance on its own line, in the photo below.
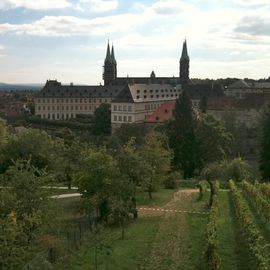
point(240, 89)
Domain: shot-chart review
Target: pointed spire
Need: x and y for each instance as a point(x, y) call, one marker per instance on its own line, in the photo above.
point(108, 55)
point(184, 55)
point(113, 57)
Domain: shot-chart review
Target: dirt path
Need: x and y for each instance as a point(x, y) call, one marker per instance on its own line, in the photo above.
point(170, 249)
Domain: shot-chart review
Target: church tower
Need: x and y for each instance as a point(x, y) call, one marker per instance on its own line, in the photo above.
point(110, 66)
point(184, 65)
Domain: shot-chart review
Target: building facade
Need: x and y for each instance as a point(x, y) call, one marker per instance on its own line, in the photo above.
point(145, 94)
point(136, 102)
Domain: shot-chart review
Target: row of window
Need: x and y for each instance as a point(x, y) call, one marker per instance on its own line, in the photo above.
point(157, 91)
point(71, 100)
point(151, 106)
point(158, 96)
point(53, 108)
point(57, 116)
point(123, 108)
point(122, 118)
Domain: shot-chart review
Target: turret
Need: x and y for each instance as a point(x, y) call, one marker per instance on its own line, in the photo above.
point(184, 65)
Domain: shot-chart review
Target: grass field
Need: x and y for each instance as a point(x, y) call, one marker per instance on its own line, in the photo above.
point(168, 240)
point(154, 240)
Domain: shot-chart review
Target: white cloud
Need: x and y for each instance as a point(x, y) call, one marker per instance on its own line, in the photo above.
point(169, 7)
point(97, 5)
point(73, 26)
point(34, 4)
point(251, 2)
point(2, 47)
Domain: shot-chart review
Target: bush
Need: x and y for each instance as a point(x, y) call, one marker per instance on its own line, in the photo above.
point(236, 169)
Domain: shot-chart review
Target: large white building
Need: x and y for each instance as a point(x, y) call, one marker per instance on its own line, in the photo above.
point(132, 98)
point(137, 101)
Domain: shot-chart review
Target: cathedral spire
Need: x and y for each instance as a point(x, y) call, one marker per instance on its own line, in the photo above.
point(184, 65)
point(113, 57)
point(184, 51)
point(108, 55)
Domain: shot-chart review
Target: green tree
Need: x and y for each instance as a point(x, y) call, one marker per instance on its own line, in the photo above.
point(102, 120)
point(25, 213)
point(30, 144)
point(128, 131)
point(130, 165)
point(203, 104)
point(182, 136)
point(265, 146)
point(156, 160)
point(214, 141)
point(101, 183)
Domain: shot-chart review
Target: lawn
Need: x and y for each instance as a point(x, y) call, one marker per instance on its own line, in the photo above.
point(160, 197)
point(127, 253)
point(153, 241)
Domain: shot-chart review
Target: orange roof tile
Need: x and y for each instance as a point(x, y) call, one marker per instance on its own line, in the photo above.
point(162, 113)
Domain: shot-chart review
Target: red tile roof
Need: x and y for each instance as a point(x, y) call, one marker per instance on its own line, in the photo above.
point(162, 113)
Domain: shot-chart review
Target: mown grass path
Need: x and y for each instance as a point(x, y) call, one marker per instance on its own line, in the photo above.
point(171, 248)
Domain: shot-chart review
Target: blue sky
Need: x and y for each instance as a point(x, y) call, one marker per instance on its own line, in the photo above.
point(66, 39)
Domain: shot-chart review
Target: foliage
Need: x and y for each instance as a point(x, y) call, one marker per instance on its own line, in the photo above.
point(101, 183)
point(156, 161)
point(3, 132)
point(25, 212)
point(214, 141)
point(170, 181)
point(30, 144)
point(203, 104)
point(236, 169)
point(211, 255)
point(102, 120)
point(202, 188)
point(265, 146)
point(261, 204)
point(264, 189)
point(182, 136)
point(249, 229)
point(128, 131)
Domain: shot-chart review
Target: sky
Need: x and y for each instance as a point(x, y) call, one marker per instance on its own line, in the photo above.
point(67, 39)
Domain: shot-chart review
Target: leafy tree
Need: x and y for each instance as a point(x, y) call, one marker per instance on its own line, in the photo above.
point(25, 212)
point(203, 104)
point(67, 135)
point(102, 120)
point(30, 144)
point(214, 141)
point(236, 169)
point(182, 136)
point(128, 131)
point(265, 146)
point(156, 160)
point(130, 165)
point(101, 183)
point(68, 160)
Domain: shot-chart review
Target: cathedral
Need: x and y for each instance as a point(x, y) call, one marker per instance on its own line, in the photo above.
point(132, 99)
point(110, 71)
